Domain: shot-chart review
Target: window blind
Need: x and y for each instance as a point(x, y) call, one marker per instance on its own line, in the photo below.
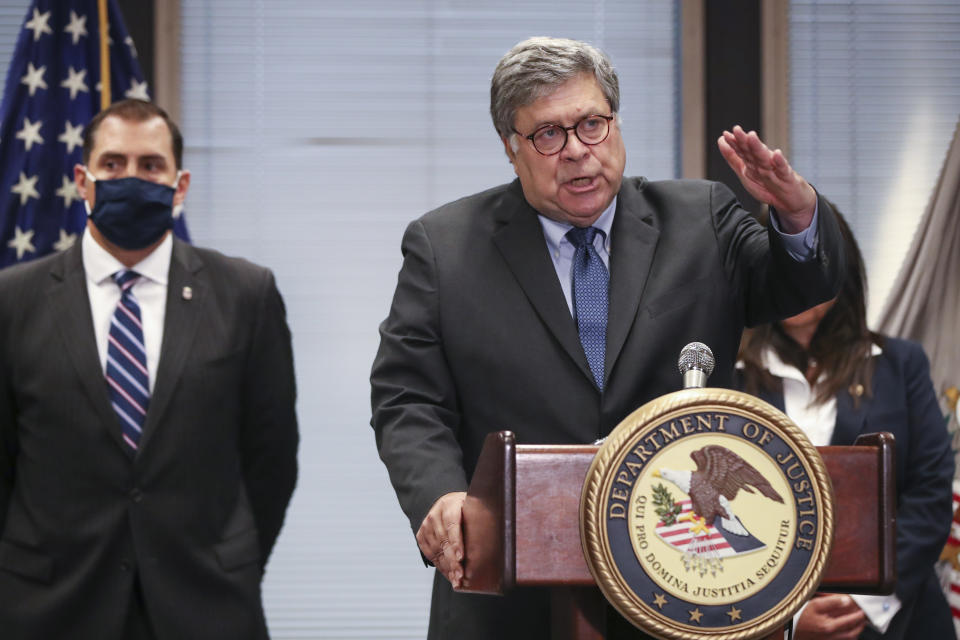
point(874, 99)
point(12, 14)
point(315, 132)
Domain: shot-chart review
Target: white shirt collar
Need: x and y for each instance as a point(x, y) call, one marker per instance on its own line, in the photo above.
point(771, 362)
point(556, 232)
point(776, 366)
point(99, 264)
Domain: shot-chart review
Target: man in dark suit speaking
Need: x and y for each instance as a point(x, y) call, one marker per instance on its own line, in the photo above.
point(557, 304)
point(147, 429)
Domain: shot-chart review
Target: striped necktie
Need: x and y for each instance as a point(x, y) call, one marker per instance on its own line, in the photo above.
point(127, 375)
point(590, 280)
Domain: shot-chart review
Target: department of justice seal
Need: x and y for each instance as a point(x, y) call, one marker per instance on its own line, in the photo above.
point(707, 514)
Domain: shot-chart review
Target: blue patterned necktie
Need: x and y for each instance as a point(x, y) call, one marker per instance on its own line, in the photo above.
point(127, 374)
point(590, 280)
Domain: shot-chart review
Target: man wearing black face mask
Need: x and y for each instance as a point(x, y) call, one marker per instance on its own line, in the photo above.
point(147, 428)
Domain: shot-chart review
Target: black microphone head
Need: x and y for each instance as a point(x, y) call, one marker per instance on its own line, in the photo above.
point(696, 356)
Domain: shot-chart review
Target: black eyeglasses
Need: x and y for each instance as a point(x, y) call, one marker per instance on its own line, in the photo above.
point(550, 139)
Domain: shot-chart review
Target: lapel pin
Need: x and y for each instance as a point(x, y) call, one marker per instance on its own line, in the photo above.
point(187, 293)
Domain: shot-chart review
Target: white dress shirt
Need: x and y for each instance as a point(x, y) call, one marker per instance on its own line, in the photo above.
point(817, 421)
point(150, 291)
point(562, 250)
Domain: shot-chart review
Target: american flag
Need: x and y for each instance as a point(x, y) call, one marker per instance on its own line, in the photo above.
point(948, 568)
point(52, 91)
point(680, 534)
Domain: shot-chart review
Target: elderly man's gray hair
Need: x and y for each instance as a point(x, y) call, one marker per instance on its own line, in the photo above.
point(536, 67)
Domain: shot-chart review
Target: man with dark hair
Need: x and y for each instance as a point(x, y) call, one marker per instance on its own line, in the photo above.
point(147, 428)
point(557, 304)
point(134, 111)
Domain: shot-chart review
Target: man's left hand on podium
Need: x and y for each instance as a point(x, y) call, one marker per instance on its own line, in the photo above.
point(440, 536)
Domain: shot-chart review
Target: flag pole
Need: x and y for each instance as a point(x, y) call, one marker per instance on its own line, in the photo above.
point(104, 25)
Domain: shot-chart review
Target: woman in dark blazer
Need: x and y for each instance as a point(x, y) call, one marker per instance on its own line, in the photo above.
point(837, 379)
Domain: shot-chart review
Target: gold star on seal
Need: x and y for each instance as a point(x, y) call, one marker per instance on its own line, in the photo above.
point(695, 615)
point(734, 614)
point(659, 600)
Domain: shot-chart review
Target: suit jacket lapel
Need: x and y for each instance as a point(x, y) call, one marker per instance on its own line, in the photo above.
point(180, 324)
point(520, 241)
point(774, 398)
point(70, 301)
point(632, 242)
point(849, 424)
point(850, 421)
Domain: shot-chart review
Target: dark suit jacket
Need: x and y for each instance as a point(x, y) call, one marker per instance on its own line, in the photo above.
point(904, 403)
point(194, 514)
point(479, 338)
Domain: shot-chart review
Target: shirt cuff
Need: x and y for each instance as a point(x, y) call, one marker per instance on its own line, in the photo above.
point(802, 246)
point(796, 616)
point(879, 609)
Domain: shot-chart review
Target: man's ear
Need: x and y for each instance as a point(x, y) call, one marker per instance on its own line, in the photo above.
point(80, 179)
point(511, 154)
point(182, 185)
point(507, 148)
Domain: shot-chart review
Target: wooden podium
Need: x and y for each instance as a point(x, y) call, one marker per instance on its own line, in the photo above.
point(521, 525)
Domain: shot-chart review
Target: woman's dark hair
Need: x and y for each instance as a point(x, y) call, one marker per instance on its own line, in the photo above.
point(840, 348)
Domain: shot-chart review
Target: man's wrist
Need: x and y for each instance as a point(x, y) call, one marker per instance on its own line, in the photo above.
point(801, 246)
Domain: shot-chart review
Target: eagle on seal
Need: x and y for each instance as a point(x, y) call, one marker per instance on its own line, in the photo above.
point(720, 475)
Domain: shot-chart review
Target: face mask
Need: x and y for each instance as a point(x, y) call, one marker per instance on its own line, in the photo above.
point(130, 212)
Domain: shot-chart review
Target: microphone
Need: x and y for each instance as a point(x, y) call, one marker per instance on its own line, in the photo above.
point(696, 364)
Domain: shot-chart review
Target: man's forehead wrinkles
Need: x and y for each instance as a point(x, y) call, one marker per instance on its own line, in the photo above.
point(579, 115)
point(566, 105)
